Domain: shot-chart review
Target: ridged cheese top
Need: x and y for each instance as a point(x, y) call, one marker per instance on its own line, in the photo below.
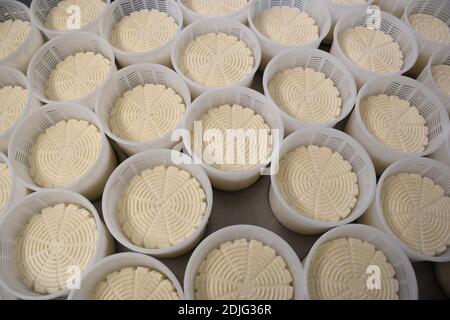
point(61, 16)
point(216, 60)
point(143, 30)
point(136, 283)
point(306, 94)
point(430, 27)
point(371, 49)
point(5, 185)
point(54, 241)
point(161, 206)
point(64, 153)
point(318, 183)
point(252, 143)
point(215, 7)
point(340, 270)
point(287, 25)
point(418, 212)
point(244, 270)
point(441, 74)
point(395, 123)
point(76, 76)
point(13, 100)
point(146, 112)
point(12, 34)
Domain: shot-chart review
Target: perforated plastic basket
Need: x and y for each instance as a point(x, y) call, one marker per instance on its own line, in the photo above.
point(442, 56)
point(443, 153)
point(270, 48)
point(351, 151)
point(404, 272)
point(114, 263)
point(437, 172)
point(247, 98)
point(437, 8)
point(191, 16)
point(417, 95)
point(122, 8)
point(317, 60)
point(92, 182)
point(5, 295)
point(134, 166)
point(12, 10)
point(391, 26)
point(337, 11)
point(248, 232)
point(217, 25)
point(13, 77)
point(56, 50)
point(17, 189)
point(394, 7)
point(40, 10)
point(11, 229)
point(127, 79)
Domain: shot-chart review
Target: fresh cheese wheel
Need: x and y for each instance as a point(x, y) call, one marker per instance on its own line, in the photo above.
point(64, 153)
point(395, 123)
point(251, 145)
point(143, 30)
point(216, 60)
point(146, 112)
point(61, 18)
point(319, 183)
point(76, 76)
point(161, 207)
point(244, 270)
point(441, 74)
point(418, 212)
point(55, 240)
point(341, 269)
point(12, 34)
point(215, 7)
point(136, 283)
point(430, 27)
point(13, 100)
point(371, 49)
point(5, 185)
point(306, 94)
point(287, 25)
point(350, 2)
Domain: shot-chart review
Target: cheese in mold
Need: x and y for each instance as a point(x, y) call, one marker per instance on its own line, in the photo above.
point(13, 33)
point(55, 239)
point(244, 153)
point(64, 153)
point(395, 123)
point(215, 7)
point(430, 27)
point(13, 100)
point(371, 49)
point(319, 183)
point(287, 25)
point(146, 112)
point(441, 74)
point(244, 270)
point(136, 283)
point(340, 270)
point(76, 76)
point(350, 2)
point(161, 206)
point(5, 185)
point(143, 30)
point(418, 212)
point(60, 17)
point(216, 60)
point(306, 94)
